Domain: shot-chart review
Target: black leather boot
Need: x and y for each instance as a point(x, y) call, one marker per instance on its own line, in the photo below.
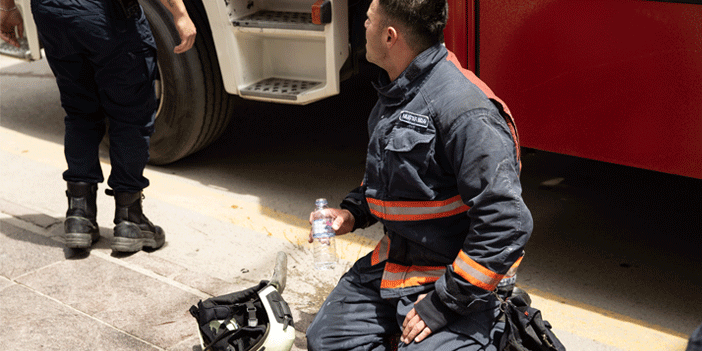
point(133, 231)
point(80, 226)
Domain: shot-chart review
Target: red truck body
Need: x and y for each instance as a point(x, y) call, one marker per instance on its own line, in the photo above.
point(618, 81)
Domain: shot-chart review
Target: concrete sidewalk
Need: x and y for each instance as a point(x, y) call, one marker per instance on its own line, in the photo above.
point(223, 240)
point(53, 298)
point(217, 242)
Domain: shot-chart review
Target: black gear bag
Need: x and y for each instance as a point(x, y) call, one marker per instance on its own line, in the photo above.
point(525, 330)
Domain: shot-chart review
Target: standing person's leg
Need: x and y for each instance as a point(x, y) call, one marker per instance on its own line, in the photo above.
point(125, 67)
point(354, 317)
point(125, 70)
point(84, 122)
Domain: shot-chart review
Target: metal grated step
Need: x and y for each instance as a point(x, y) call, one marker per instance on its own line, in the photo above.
point(279, 20)
point(279, 88)
point(21, 52)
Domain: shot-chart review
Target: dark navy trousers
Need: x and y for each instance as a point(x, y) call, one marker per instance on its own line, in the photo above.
point(105, 66)
point(355, 318)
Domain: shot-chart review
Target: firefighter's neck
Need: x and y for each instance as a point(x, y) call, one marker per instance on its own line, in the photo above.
point(399, 57)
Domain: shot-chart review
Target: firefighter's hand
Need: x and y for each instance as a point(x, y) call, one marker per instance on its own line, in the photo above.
point(8, 21)
point(187, 32)
point(414, 328)
point(343, 221)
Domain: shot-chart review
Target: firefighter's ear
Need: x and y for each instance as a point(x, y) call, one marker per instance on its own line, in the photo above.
point(391, 36)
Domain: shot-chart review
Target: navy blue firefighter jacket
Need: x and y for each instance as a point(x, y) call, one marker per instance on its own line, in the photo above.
point(442, 176)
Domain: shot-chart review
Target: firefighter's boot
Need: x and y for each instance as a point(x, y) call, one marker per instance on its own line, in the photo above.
point(81, 226)
point(133, 231)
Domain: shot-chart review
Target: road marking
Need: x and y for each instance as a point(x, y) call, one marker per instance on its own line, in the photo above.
point(244, 210)
point(604, 326)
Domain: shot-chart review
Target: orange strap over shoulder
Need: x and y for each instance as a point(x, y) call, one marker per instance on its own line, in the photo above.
point(504, 111)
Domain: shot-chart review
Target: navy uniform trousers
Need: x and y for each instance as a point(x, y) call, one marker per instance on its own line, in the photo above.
point(105, 66)
point(355, 317)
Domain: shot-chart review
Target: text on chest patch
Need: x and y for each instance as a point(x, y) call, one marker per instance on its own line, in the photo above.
point(414, 119)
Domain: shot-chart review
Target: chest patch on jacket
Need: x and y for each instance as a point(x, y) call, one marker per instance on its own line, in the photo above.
point(414, 119)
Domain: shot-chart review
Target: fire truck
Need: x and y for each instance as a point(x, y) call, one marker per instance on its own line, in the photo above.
point(618, 81)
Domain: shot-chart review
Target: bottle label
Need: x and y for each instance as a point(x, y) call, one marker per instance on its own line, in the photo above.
point(322, 228)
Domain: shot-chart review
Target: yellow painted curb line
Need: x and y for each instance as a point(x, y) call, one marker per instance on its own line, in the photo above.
point(604, 326)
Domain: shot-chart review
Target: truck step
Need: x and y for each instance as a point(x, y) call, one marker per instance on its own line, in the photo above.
point(22, 52)
point(279, 88)
point(279, 20)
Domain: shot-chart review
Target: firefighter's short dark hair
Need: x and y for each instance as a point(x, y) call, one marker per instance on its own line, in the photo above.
point(423, 20)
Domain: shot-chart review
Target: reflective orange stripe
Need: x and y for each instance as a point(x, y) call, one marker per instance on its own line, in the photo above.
point(380, 253)
point(515, 137)
point(399, 276)
point(513, 270)
point(474, 273)
point(416, 210)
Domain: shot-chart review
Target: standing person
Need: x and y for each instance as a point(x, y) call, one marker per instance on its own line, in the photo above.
point(442, 176)
point(103, 55)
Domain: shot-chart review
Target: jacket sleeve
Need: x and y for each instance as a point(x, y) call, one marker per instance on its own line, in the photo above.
point(355, 202)
point(483, 156)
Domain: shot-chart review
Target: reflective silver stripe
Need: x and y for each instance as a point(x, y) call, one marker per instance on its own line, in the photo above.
point(380, 253)
point(513, 270)
point(397, 276)
point(476, 274)
point(416, 210)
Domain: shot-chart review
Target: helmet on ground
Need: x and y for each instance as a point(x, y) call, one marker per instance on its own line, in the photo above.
point(254, 319)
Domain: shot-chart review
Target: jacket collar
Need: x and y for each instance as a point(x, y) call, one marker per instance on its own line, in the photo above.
point(407, 83)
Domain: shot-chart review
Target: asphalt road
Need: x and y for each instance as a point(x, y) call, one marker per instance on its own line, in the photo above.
point(614, 259)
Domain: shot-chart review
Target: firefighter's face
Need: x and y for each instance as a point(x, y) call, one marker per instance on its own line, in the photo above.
point(376, 35)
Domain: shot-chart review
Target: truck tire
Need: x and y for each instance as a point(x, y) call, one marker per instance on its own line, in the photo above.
point(194, 109)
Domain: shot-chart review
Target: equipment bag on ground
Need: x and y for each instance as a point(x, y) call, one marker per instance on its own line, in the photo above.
point(525, 330)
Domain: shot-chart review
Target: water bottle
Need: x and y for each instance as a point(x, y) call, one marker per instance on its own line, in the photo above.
point(323, 235)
